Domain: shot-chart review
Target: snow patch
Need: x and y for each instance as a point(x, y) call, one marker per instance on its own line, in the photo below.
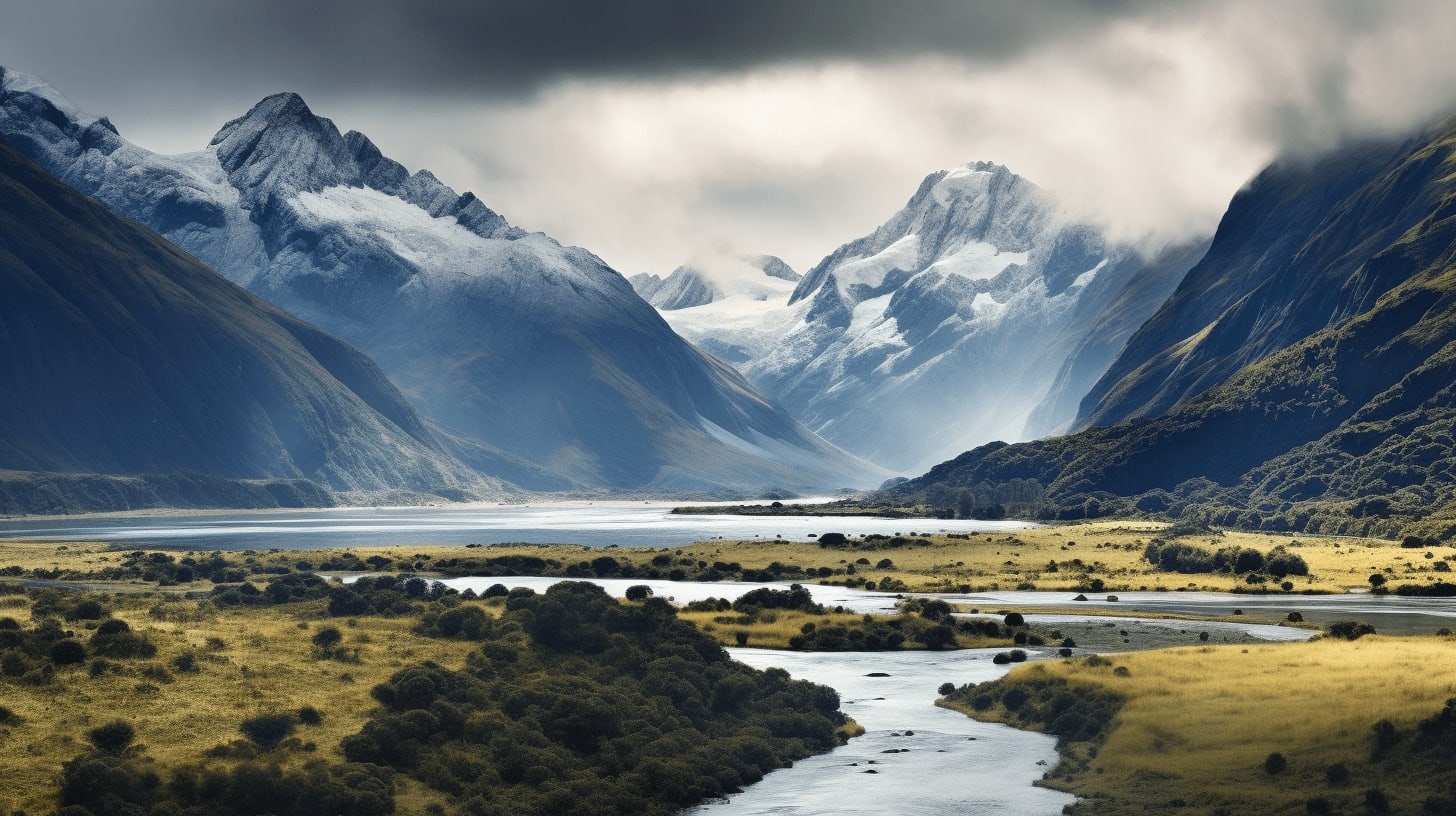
point(961, 182)
point(978, 260)
point(871, 271)
point(1088, 276)
point(17, 82)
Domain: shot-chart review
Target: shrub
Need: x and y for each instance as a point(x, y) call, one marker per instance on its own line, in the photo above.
point(68, 652)
point(639, 592)
point(1337, 774)
point(327, 638)
point(86, 610)
point(308, 715)
point(112, 738)
point(945, 688)
point(1351, 630)
point(267, 730)
point(1275, 764)
point(1376, 801)
point(1015, 619)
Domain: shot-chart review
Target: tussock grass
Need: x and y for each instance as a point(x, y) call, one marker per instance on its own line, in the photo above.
point(266, 664)
point(1198, 724)
point(773, 629)
point(1106, 551)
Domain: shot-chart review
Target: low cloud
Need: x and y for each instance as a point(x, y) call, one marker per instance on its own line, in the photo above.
point(651, 131)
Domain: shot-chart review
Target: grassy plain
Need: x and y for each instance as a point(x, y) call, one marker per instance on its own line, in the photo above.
point(249, 661)
point(1109, 551)
point(1199, 723)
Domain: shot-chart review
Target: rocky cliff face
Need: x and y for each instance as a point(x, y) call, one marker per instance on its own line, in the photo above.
point(538, 357)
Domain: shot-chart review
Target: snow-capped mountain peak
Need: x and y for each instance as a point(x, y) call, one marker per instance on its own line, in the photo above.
point(542, 359)
point(945, 328)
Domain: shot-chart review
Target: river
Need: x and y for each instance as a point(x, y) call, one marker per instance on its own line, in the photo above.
point(941, 762)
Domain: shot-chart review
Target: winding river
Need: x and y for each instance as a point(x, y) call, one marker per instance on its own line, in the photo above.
point(914, 759)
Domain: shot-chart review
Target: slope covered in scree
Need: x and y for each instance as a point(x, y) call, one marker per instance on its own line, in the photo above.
point(536, 357)
point(124, 356)
point(1347, 429)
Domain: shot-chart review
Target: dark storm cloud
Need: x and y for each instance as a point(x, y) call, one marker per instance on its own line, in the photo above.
point(514, 46)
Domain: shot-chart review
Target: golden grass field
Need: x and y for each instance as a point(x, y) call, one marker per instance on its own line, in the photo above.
point(1108, 550)
point(1203, 718)
point(266, 664)
point(1199, 723)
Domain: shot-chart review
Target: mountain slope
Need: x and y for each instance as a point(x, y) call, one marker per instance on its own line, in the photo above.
point(125, 356)
point(527, 351)
point(1289, 258)
point(948, 326)
point(1345, 430)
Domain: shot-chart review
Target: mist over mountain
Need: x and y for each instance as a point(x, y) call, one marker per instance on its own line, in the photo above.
point(135, 376)
point(539, 361)
point(978, 312)
point(1301, 378)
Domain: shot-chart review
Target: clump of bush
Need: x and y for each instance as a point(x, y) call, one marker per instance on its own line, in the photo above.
point(1177, 556)
point(1350, 630)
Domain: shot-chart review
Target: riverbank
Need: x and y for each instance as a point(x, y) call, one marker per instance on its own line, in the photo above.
point(1197, 731)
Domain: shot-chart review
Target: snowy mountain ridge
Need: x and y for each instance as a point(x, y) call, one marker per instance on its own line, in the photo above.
point(541, 360)
point(973, 314)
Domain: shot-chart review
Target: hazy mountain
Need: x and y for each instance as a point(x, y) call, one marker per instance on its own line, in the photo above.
point(733, 307)
point(124, 356)
point(1331, 281)
point(955, 323)
point(537, 357)
point(708, 280)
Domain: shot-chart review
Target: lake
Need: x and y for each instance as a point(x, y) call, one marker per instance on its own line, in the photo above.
point(593, 524)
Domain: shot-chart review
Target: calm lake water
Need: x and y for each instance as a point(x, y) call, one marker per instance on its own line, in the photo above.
point(593, 524)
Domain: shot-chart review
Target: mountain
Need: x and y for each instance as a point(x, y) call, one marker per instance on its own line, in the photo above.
point(529, 355)
point(135, 376)
point(1346, 428)
point(1291, 256)
point(954, 323)
point(751, 277)
point(733, 307)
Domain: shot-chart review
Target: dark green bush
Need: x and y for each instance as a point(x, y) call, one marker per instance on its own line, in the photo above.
point(267, 730)
point(113, 737)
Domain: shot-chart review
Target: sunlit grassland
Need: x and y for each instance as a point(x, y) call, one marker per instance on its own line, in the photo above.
point(773, 630)
point(1199, 723)
point(249, 661)
point(1109, 552)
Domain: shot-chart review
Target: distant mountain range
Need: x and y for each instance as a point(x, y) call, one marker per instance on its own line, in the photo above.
point(535, 363)
point(124, 356)
point(1302, 376)
point(980, 311)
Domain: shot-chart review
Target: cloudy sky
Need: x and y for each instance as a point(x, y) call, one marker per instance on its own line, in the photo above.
point(653, 130)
